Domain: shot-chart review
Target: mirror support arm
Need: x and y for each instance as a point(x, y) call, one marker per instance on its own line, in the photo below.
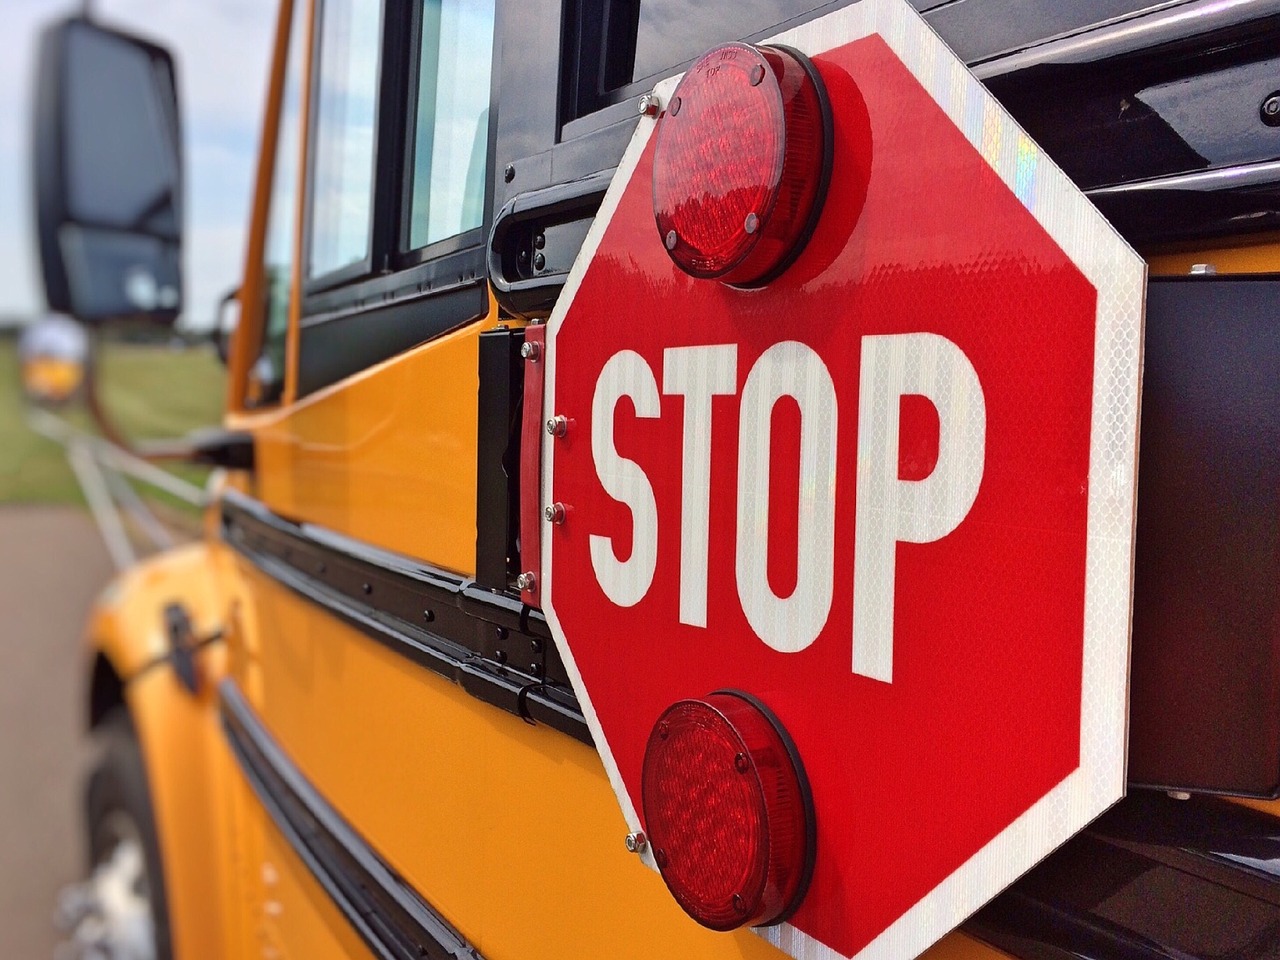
point(215, 447)
point(93, 400)
point(212, 447)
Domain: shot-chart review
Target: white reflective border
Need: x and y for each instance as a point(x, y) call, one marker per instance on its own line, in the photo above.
point(1119, 276)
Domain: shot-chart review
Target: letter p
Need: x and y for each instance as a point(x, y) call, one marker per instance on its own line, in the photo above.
point(889, 509)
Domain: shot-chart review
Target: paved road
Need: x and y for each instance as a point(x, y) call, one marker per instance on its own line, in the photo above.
point(51, 566)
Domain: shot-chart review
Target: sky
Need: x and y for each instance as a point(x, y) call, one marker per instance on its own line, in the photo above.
point(222, 49)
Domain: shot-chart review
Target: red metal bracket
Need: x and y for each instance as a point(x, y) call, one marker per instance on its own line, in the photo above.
point(535, 365)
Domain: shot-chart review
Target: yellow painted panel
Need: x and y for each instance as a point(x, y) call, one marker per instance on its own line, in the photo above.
point(187, 764)
point(957, 946)
point(511, 831)
point(1260, 255)
point(1271, 807)
point(187, 760)
point(387, 456)
point(299, 919)
point(127, 623)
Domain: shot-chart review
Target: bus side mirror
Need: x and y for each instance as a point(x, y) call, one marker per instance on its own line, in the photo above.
point(108, 175)
point(225, 323)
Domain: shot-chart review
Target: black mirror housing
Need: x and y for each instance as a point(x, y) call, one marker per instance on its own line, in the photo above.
point(108, 175)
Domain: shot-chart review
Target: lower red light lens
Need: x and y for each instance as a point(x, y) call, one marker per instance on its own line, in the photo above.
point(741, 163)
point(727, 811)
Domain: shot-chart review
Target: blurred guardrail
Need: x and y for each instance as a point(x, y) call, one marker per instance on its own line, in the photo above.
point(107, 474)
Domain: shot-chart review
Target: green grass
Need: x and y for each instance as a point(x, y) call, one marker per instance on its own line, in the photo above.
point(152, 392)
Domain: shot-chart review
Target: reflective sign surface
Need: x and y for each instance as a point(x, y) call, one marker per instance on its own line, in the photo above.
point(890, 494)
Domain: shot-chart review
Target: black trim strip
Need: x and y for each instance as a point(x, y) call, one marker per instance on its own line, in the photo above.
point(389, 916)
point(1156, 116)
point(1153, 879)
point(1159, 27)
point(1202, 205)
point(335, 345)
point(491, 644)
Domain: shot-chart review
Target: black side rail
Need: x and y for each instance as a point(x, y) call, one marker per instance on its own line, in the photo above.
point(394, 920)
point(536, 237)
point(212, 447)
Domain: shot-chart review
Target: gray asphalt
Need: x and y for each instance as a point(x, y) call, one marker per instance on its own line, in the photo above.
point(52, 564)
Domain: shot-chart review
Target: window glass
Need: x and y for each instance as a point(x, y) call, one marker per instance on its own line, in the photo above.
point(346, 108)
point(673, 31)
point(450, 136)
point(266, 376)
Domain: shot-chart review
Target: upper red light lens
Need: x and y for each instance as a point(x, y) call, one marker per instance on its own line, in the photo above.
point(727, 812)
point(740, 166)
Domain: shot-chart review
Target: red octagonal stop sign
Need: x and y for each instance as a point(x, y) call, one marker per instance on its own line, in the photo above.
point(890, 494)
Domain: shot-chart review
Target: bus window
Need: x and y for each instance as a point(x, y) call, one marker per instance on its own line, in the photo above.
point(449, 129)
point(346, 112)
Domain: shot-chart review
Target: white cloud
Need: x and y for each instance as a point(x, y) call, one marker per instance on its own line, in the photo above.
point(222, 48)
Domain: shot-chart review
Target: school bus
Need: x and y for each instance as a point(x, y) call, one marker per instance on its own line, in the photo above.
point(339, 725)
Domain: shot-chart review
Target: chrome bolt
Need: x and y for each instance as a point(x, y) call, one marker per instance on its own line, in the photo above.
point(675, 106)
point(531, 351)
point(757, 75)
point(751, 224)
point(554, 513)
point(636, 842)
point(649, 105)
point(1270, 110)
point(1203, 269)
point(671, 240)
point(1178, 794)
point(558, 426)
point(527, 581)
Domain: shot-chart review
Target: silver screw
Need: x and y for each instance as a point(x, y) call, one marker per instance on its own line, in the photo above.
point(636, 842)
point(649, 105)
point(1178, 794)
point(558, 425)
point(531, 351)
point(1203, 269)
point(554, 513)
point(527, 581)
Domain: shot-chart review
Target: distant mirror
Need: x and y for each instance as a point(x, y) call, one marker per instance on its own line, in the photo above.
point(225, 323)
point(53, 353)
point(108, 175)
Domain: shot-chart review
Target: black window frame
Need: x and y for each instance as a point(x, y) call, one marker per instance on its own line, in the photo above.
point(555, 128)
point(597, 30)
point(373, 301)
point(294, 26)
point(359, 268)
point(407, 255)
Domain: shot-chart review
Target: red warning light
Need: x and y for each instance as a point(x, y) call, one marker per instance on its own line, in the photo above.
point(727, 811)
point(741, 164)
